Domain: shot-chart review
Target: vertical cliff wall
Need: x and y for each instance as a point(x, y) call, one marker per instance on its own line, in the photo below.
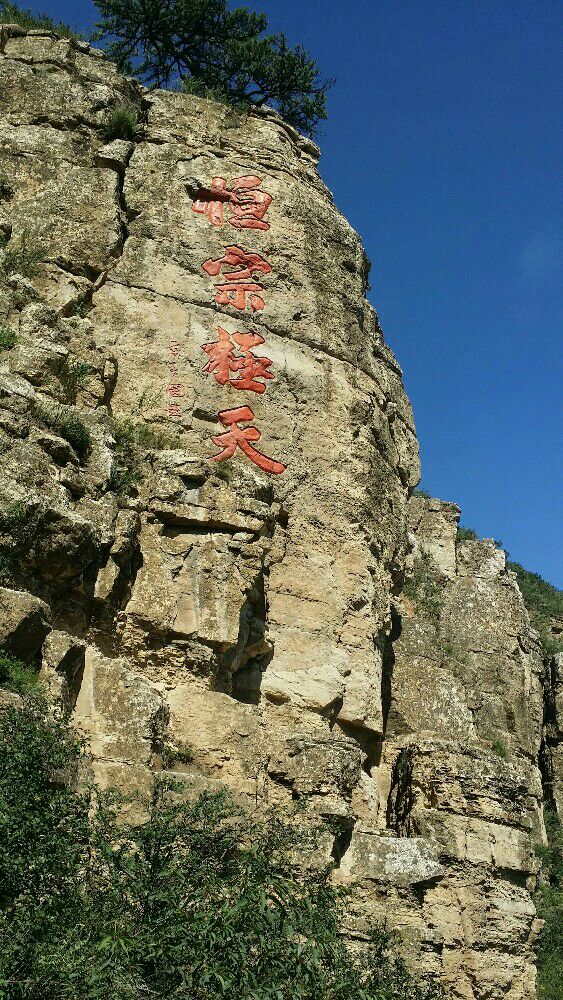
point(207, 456)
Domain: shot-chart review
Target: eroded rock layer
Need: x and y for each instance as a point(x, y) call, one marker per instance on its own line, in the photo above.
point(243, 620)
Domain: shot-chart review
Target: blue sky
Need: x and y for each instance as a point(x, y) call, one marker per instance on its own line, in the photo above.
point(443, 148)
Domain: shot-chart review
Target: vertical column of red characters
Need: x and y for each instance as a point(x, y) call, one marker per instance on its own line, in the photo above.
point(232, 361)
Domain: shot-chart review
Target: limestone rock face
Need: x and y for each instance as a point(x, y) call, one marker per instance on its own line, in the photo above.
point(204, 514)
point(463, 743)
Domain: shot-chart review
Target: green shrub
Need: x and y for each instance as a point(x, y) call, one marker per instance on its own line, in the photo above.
point(6, 190)
point(121, 123)
point(466, 534)
point(23, 256)
point(10, 13)
point(544, 602)
point(549, 902)
point(19, 525)
point(16, 675)
point(73, 377)
point(499, 748)
point(131, 440)
point(8, 338)
point(13, 536)
point(419, 492)
point(201, 901)
point(423, 589)
point(68, 425)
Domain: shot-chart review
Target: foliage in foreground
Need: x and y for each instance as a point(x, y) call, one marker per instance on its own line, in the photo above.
point(549, 902)
point(15, 675)
point(212, 51)
point(200, 902)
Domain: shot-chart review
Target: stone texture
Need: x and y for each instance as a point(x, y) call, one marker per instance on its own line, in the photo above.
point(463, 743)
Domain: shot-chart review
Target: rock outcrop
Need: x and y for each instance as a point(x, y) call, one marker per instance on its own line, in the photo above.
point(226, 602)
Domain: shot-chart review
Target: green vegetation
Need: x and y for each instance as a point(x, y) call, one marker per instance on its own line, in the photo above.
point(10, 13)
point(210, 50)
point(73, 377)
point(121, 123)
point(201, 901)
point(18, 528)
point(131, 440)
point(23, 256)
point(68, 425)
point(6, 189)
point(423, 589)
point(419, 492)
point(543, 602)
point(466, 534)
point(549, 901)
point(499, 748)
point(16, 675)
point(8, 338)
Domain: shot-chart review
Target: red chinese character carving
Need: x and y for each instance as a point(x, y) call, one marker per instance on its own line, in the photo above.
point(237, 437)
point(246, 263)
point(174, 409)
point(223, 361)
point(238, 283)
point(234, 294)
point(248, 206)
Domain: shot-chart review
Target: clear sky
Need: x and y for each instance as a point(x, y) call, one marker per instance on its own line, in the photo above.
point(444, 150)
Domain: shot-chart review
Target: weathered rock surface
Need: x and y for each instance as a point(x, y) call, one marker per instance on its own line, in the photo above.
point(212, 619)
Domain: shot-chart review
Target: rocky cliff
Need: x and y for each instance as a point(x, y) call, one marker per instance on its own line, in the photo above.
point(207, 542)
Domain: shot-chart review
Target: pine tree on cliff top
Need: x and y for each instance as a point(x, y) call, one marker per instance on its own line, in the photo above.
point(212, 51)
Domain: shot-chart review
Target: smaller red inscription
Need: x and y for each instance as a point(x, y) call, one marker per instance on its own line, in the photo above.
point(247, 205)
point(239, 437)
point(175, 389)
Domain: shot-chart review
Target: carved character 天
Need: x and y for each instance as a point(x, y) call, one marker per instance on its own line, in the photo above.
point(242, 437)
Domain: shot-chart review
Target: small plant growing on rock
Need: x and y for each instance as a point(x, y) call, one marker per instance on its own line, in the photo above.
point(23, 256)
point(18, 526)
point(466, 534)
point(68, 425)
point(6, 190)
point(131, 439)
point(423, 589)
point(73, 377)
point(499, 748)
point(121, 123)
point(8, 338)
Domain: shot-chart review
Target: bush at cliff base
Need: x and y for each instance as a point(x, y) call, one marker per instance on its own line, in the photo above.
point(549, 903)
point(200, 901)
